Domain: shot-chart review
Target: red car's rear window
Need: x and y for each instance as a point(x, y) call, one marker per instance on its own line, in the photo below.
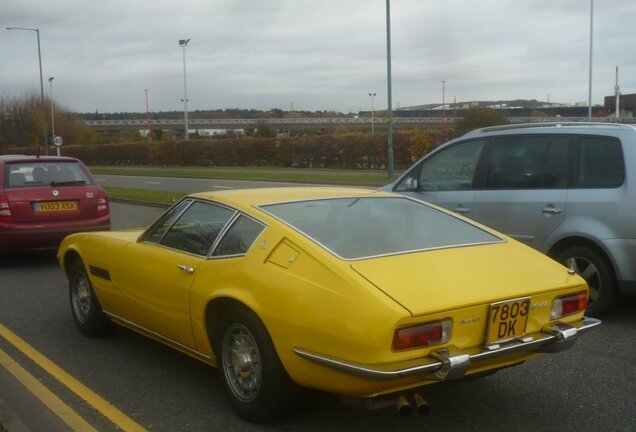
point(38, 173)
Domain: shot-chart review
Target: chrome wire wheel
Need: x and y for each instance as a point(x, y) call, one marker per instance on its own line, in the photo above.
point(588, 271)
point(81, 297)
point(242, 364)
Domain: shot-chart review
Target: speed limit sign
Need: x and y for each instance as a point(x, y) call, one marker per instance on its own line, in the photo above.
point(58, 141)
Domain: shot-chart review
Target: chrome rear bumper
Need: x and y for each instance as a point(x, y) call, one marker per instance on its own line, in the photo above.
point(450, 363)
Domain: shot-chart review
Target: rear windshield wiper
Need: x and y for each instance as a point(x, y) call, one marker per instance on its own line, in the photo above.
point(69, 182)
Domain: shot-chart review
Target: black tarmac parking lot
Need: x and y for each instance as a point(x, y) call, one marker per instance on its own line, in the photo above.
point(591, 387)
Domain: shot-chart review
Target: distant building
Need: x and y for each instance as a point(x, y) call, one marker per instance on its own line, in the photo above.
point(510, 109)
point(627, 104)
point(518, 108)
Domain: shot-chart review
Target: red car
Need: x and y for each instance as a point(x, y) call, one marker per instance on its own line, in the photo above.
point(44, 199)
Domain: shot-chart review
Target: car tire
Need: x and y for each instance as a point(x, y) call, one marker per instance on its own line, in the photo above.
point(87, 312)
point(597, 272)
point(259, 388)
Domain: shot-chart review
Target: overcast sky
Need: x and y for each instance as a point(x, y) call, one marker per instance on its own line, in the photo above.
point(314, 55)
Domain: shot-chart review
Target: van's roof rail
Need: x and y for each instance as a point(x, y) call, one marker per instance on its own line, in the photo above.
point(551, 124)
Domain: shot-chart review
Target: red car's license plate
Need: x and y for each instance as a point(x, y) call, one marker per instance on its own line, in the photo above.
point(507, 320)
point(56, 206)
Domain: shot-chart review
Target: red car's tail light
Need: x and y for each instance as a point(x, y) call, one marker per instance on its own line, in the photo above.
point(5, 210)
point(426, 334)
point(568, 305)
point(102, 204)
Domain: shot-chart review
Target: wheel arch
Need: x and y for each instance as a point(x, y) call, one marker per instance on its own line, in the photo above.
point(214, 311)
point(568, 242)
point(71, 256)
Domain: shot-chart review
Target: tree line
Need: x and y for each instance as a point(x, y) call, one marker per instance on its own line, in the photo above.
point(228, 113)
point(21, 132)
point(21, 122)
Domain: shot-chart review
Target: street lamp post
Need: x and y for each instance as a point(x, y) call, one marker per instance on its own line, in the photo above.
point(44, 126)
point(183, 43)
point(444, 105)
point(589, 93)
point(147, 117)
point(52, 114)
point(372, 94)
point(389, 152)
point(52, 108)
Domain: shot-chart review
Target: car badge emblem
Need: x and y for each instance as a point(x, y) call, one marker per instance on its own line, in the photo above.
point(56, 192)
point(263, 245)
point(89, 194)
point(535, 306)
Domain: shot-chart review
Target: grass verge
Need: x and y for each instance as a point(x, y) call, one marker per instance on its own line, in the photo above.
point(143, 195)
point(349, 177)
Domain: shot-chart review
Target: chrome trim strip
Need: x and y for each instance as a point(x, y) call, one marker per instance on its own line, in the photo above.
point(452, 363)
point(224, 230)
point(190, 201)
point(238, 215)
point(412, 250)
point(144, 330)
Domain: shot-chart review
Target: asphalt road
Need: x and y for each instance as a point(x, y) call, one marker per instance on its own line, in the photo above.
point(591, 387)
point(176, 184)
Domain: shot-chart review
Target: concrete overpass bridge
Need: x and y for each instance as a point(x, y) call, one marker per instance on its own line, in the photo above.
point(306, 123)
point(278, 123)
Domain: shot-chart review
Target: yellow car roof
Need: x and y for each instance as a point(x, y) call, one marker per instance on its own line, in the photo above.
point(245, 198)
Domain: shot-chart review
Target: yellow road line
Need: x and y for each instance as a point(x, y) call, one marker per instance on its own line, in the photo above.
point(100, 404)
point(54, 403)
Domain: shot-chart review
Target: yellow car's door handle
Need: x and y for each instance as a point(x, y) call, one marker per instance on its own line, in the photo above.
point(185, 268)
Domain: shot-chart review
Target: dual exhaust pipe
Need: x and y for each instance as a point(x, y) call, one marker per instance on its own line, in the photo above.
point(405, 405)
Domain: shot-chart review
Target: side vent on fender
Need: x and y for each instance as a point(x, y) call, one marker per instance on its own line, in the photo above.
point(284, 255)
point(100, 272)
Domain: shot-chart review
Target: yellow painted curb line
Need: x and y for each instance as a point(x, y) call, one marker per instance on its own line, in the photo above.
point(58, 407)
point(54, 403)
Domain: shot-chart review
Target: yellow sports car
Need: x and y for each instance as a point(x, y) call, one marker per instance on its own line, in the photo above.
point(361, 293)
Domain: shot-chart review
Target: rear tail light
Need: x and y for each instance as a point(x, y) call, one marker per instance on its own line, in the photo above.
point(102, 204)
point(568, 305)
point(5, 210)
point(426, 334)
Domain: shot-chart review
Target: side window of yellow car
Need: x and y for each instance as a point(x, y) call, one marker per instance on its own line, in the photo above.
point(159, 228)
point(239, 237)
point(193, 229)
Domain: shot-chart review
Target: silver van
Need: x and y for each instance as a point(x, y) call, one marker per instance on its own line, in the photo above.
point(566, 189)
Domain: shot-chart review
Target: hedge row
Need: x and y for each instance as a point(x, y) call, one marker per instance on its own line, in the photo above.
point(351, 151)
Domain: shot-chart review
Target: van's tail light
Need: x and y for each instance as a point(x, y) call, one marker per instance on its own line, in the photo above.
point(568, 304)
point(102, 204)
point(5, 210)
point(418, 335)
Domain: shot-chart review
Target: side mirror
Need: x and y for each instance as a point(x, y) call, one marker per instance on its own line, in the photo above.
point(409, 184)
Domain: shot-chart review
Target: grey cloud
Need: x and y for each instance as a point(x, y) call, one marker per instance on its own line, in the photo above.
point(318, 55)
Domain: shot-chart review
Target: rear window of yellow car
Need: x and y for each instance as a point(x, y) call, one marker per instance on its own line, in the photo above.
point(355, 228)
